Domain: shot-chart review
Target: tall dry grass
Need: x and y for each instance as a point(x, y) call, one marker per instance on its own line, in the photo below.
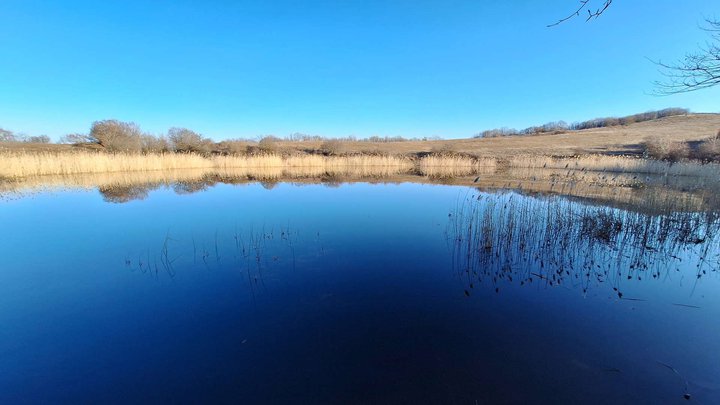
point(28, 164)
point(19, 164)
point(443, 165)
point(616, 164)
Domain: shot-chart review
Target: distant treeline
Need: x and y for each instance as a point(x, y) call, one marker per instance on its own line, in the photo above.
point(8, 136)
point(562, 126)
point(118, 136)
point(300, 137)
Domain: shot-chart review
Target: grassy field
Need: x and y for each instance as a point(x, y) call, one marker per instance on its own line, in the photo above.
point(612, 140)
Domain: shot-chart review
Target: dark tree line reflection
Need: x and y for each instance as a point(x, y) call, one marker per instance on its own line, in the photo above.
point(125, 193)
point(507, 238)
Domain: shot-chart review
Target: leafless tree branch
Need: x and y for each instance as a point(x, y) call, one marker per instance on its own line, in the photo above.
point(695, 71)
point(585, 5)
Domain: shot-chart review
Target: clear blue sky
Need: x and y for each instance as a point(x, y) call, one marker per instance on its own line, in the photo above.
point(336, 68)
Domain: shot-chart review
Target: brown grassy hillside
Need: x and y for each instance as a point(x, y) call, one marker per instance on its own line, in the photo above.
point(611, 140)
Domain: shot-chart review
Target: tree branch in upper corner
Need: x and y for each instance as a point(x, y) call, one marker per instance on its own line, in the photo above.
point(695, 71)
point(586, 6)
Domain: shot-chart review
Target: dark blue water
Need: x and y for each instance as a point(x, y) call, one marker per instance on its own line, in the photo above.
point(354, 294)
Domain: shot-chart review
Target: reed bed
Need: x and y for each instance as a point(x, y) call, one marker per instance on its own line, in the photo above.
point(444, 166)
point(616, 164)
point(510, 239)
point(21, 164)
point(24, 164)
point(303, 166)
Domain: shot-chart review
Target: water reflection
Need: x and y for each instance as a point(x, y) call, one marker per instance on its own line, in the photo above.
point(357, 294)
point(251, 251)
point(554, 242)
point(648, 193)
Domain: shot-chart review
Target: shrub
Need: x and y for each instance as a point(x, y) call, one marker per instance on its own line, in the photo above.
point(268, 144)
point(117, 136)
point(155, 144)
point(663, 149)
point(232, 147)
point(76, 139)
point(678, 151)
point(252, 150)
point(38, 139)
point(709, 150)
point(7, 136)
point(332, 147)
point(445, 149)
point(186, 141)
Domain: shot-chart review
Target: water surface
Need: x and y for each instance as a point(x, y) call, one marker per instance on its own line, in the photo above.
point(356, 293)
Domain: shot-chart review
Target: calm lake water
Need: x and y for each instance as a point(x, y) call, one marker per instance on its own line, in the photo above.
point(359, 293)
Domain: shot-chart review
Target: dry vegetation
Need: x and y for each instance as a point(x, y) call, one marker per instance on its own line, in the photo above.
point(612, 140)
point(706, 150)
point(27, 164)
point(120, 147)
point(558, 127)
point(18, 164)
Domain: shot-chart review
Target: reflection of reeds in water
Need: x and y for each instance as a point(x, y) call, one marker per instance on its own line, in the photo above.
point(649, 193)
point(520, 240)
point(252, 253)
point(603, 179)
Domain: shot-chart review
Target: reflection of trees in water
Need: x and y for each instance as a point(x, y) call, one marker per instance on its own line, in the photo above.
point(268, 185)
point(190, 187)
point(512, 239)
point(123, 194)
point(127, 193)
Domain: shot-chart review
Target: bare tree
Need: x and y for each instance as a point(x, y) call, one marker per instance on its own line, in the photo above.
point(7, 136)
point(185, 140)
point(38, 139)
point(332, 147)
point(593, 10)
point(76, 139)
point(697, 70)
point(117, 136)
point(155, 144)
point(268, 144)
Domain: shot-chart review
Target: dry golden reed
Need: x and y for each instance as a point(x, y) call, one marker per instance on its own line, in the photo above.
point(21, 164)
point(616, 164)
point(27, 164)
point(439, 166)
